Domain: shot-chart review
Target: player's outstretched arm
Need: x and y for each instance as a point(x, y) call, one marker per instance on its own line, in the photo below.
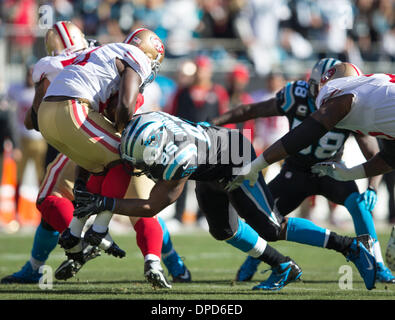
point(163, 194)
point(128, 91)
point(246, 112)
point(308, 132)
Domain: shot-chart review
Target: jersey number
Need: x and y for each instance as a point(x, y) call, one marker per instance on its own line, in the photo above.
point(327, 146)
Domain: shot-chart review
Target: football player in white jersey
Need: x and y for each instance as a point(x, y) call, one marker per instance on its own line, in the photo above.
point(350, 100)
point(347, 99)
point(64, 42)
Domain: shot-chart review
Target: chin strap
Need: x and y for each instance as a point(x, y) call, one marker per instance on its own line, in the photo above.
point(155, 65)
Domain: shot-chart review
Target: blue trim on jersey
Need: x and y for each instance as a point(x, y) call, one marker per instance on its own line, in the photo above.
point(179, 159)
point(311, 105)
point(289, 101)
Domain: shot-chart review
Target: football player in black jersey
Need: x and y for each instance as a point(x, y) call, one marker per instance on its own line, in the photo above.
point(170, 151)
point(296, 182)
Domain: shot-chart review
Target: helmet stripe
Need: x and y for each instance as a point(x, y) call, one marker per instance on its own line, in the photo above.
point(59, 27)
point(130, 37)
point(324, 67)
point(128, 139)
point(356, 69)
point(138, 132)
point(68, 34)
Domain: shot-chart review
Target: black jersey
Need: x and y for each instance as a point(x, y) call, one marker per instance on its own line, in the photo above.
point(294, 102)
point(198, 151)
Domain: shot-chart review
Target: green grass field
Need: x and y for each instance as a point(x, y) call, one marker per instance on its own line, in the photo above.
point(213, 265)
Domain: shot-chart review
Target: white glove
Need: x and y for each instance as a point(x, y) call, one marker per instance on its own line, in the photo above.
point(338, 171)
point(248, 172)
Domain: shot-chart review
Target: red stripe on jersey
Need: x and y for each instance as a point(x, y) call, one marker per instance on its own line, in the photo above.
point(89, 132)
point(133, 58)
point(67, 62)
point(68, 34)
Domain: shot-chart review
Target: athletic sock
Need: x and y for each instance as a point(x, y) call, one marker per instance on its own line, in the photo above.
point(338, 242)
point(304, 231)
point(167, 245)
point(149, 236)
point(247, 240)
point(44, 243)
point(362, 218)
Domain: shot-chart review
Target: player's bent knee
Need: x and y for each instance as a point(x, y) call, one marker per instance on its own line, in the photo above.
point(221, 235)
point(57, 212)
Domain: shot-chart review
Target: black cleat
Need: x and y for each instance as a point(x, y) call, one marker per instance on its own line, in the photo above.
point(94, 238)
point(115, 251)
point(67, 240)
point(75, 261)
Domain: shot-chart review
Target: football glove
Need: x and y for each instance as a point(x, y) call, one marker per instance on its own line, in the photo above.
point(90, 203)
point(248, 172)
point(370, 198)
point(338, 171)
point(79, 186)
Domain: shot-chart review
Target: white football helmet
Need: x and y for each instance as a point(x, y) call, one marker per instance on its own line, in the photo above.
point(142, 141)
point(317, 72)
point(64, 35)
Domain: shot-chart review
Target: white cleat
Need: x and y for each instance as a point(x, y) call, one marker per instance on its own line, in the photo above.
point(154, 274)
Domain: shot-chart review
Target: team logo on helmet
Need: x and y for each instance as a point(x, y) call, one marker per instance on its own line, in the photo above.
point(328, 75)
point(157, 44)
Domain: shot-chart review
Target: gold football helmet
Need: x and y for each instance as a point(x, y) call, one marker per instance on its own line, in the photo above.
point(64, 35)
point(148, 42)
point(344, 69)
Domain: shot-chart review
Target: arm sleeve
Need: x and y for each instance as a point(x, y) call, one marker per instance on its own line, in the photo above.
point(387, 152)
point(308, 132)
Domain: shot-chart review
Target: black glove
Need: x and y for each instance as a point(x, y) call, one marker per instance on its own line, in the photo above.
point(79, 186)
point(89, 203)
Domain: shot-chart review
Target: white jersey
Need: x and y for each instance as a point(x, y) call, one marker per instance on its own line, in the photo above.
point(94, 75)
point(49, 67)
point(373, 107)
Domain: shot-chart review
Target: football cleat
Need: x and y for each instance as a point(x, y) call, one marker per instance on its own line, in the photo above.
point(384, 274)
point(24, 276)
point(360, 253)
point(283, 274)
point(94, 238)
point(75, 261)
point(115, 251)
point(67, 240)
point(247, 269)
point(153, 272)
point(177, 268)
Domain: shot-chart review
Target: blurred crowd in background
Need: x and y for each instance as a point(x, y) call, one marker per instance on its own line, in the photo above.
point(270, 31)
point(219, 54)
